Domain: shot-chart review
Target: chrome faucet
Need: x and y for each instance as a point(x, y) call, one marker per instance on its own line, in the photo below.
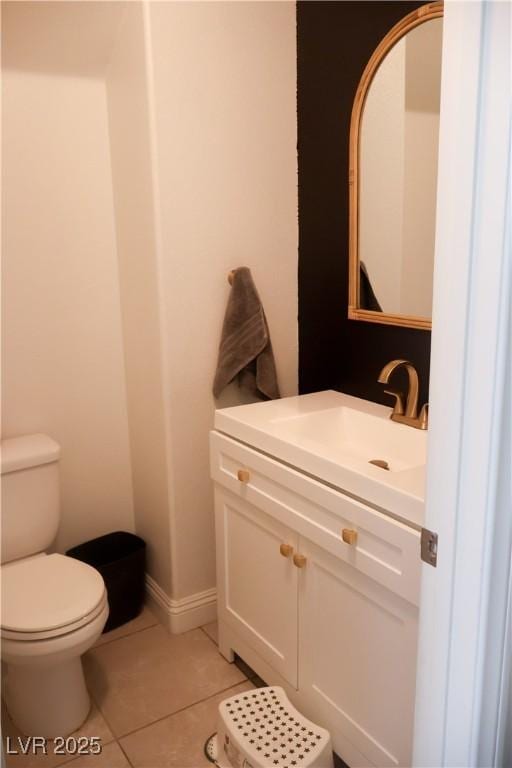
point(407, 414)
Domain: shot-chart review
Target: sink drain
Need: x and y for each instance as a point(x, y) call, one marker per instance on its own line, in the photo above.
point(380, 463)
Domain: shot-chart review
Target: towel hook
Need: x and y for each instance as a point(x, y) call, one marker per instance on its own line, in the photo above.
point(231, 275)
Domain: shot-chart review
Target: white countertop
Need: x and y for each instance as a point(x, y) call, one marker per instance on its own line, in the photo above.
point(333, 436)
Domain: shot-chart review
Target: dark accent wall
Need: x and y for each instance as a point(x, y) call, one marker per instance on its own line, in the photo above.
point(334, 42)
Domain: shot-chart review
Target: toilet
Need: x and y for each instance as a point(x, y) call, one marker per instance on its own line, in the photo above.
point(54, 608)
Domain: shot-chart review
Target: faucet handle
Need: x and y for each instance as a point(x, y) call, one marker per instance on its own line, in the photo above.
point(398, 408)
point(423, 417)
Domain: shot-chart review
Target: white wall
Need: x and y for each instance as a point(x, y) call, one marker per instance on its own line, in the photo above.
point(63, 370)
point(132, 177)
point(59, 37)
point(170, 160)
point(225, 121)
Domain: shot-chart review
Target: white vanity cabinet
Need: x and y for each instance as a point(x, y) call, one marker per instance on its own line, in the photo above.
point(334, 623)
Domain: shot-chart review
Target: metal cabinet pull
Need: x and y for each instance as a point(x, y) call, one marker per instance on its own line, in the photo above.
point(349, 536)
point(299, 560)
point(243, 475)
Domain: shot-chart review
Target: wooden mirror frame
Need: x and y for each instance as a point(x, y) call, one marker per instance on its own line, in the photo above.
point(415, 18)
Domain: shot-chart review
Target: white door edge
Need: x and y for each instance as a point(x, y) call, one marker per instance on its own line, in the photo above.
point(462, 613)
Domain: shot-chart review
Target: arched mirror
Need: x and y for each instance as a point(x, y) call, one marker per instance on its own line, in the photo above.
point(393, 174)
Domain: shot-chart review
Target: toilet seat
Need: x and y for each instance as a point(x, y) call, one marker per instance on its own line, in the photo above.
point(49, 596)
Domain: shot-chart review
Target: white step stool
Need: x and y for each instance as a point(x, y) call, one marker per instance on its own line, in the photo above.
point(261, 729)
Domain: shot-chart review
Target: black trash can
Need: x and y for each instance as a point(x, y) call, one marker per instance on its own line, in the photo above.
point(120, 557)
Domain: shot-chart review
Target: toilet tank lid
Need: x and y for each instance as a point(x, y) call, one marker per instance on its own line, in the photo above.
point(28, 451)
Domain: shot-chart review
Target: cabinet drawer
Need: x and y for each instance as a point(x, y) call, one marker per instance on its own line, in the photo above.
point(385, 549)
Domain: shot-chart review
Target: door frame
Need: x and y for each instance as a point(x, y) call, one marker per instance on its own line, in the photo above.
point(465, 625)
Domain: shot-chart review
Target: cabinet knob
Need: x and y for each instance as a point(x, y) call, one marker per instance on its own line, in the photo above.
point(243, 475)
point(286, 550)
point(299, 560)
point(349, 536)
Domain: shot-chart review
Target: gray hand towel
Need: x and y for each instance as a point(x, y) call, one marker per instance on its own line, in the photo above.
point(245, 349)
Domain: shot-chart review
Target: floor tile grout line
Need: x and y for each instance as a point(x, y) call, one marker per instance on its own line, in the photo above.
point(76, 757)
point(210, 638)
point(251, 678)
point(59, 763)
point(115, 737)
point(97, 705)
point(138, 631)
point(123, 637)
point(124, 753)
point(182, 709)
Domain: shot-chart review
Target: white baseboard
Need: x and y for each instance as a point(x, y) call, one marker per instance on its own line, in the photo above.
point(181, 615)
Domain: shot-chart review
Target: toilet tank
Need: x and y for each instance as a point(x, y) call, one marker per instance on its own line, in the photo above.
point(30, 495)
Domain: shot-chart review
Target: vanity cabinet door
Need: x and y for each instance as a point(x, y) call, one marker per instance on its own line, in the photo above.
point(357, 668)
point(256, 580)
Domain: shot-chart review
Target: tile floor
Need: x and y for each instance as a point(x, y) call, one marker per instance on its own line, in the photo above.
point(155, 698)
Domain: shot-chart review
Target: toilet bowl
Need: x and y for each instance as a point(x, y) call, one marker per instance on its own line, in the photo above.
point(54, 609)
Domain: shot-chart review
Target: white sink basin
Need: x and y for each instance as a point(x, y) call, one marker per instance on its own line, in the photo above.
point(335, 437)
point(344, 430)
